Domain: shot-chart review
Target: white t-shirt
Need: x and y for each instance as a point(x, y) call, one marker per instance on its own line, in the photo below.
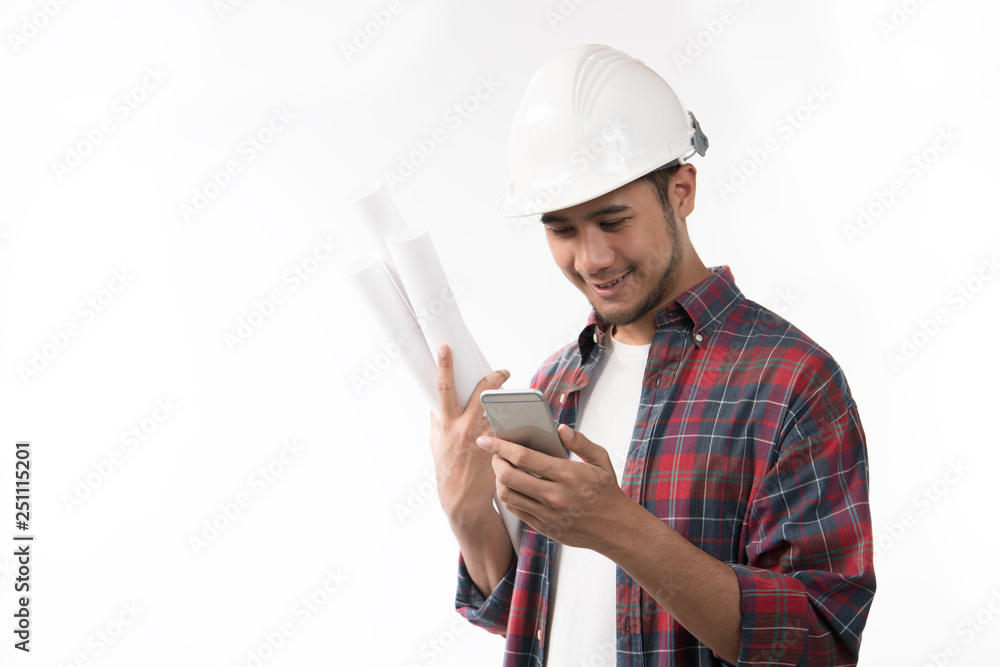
point(582, 620)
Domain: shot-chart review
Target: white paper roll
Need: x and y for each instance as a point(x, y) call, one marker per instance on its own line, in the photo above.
point(371, 279)
point(480, 356)
point(379, 218)
point(435, 307)
point(511, 523)
point(437, 312)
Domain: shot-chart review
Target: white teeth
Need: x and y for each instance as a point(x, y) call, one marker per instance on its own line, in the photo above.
point(611, 284)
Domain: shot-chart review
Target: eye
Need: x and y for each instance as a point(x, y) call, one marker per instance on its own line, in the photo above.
point(560, 231)
point(613, 224)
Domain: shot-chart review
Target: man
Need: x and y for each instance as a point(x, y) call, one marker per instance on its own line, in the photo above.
point(734, 527)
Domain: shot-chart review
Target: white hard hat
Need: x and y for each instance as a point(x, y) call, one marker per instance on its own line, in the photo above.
point(592, 120)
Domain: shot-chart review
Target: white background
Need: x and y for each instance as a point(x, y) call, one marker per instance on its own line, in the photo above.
point(896, 74)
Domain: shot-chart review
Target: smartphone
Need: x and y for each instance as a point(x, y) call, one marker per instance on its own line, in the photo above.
point(524, 417)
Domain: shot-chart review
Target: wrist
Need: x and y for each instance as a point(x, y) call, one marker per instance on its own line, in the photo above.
point(633, 530)
point(467, 518)
point(462, 502)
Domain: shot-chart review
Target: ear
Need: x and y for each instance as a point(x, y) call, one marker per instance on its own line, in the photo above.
point(683, 185)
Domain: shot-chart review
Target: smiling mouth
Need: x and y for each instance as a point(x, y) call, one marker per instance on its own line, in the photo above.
point(612, 283)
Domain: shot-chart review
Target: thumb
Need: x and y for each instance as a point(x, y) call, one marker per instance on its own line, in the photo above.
point(578, 443)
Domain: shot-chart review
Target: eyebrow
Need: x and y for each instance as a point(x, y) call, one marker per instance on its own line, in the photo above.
point(548, 218)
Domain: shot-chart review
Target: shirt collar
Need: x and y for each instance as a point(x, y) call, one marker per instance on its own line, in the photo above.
point(704, 306)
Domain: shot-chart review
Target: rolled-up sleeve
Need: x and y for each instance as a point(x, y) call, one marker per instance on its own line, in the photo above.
point(491, 612)
point(809, 579)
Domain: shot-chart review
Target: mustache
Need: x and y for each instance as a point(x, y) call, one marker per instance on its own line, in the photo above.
point(605, 276)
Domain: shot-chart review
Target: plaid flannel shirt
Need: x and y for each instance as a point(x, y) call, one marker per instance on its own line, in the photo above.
point(748, 443)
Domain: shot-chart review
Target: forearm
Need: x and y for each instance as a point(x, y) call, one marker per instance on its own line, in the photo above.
point(700, 592)
point(485, 546)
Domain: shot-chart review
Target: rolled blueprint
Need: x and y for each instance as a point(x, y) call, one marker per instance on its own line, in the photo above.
point(379, 219)
point(437, 312)
point(479, 355)
point(434, 305)
point(371, 279)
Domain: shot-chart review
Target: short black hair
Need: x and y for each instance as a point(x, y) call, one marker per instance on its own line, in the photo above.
point(659, 179)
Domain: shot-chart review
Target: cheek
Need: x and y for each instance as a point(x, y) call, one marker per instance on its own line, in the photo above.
point(649, 255)
point(562, 255)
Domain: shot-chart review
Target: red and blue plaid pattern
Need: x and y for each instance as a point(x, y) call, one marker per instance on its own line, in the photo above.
point(748, 443)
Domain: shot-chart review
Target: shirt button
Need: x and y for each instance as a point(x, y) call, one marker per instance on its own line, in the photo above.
point(595, 336)
point(539, 634)
point(562, 398)
point(698, 338)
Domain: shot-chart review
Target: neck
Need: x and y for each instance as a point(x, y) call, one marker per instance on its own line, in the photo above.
point(642, 330)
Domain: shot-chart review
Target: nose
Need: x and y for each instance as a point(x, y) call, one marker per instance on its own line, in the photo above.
point(593, 253)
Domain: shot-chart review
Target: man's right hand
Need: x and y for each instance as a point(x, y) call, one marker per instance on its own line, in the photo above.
point(464, 472)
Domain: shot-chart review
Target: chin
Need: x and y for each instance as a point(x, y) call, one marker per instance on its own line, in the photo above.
point(619, 317)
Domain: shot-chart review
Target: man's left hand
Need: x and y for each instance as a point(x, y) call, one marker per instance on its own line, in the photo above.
point(577, 503)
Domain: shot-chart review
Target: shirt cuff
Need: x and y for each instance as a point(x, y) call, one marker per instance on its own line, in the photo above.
point(490, 612)
point(775, 623)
